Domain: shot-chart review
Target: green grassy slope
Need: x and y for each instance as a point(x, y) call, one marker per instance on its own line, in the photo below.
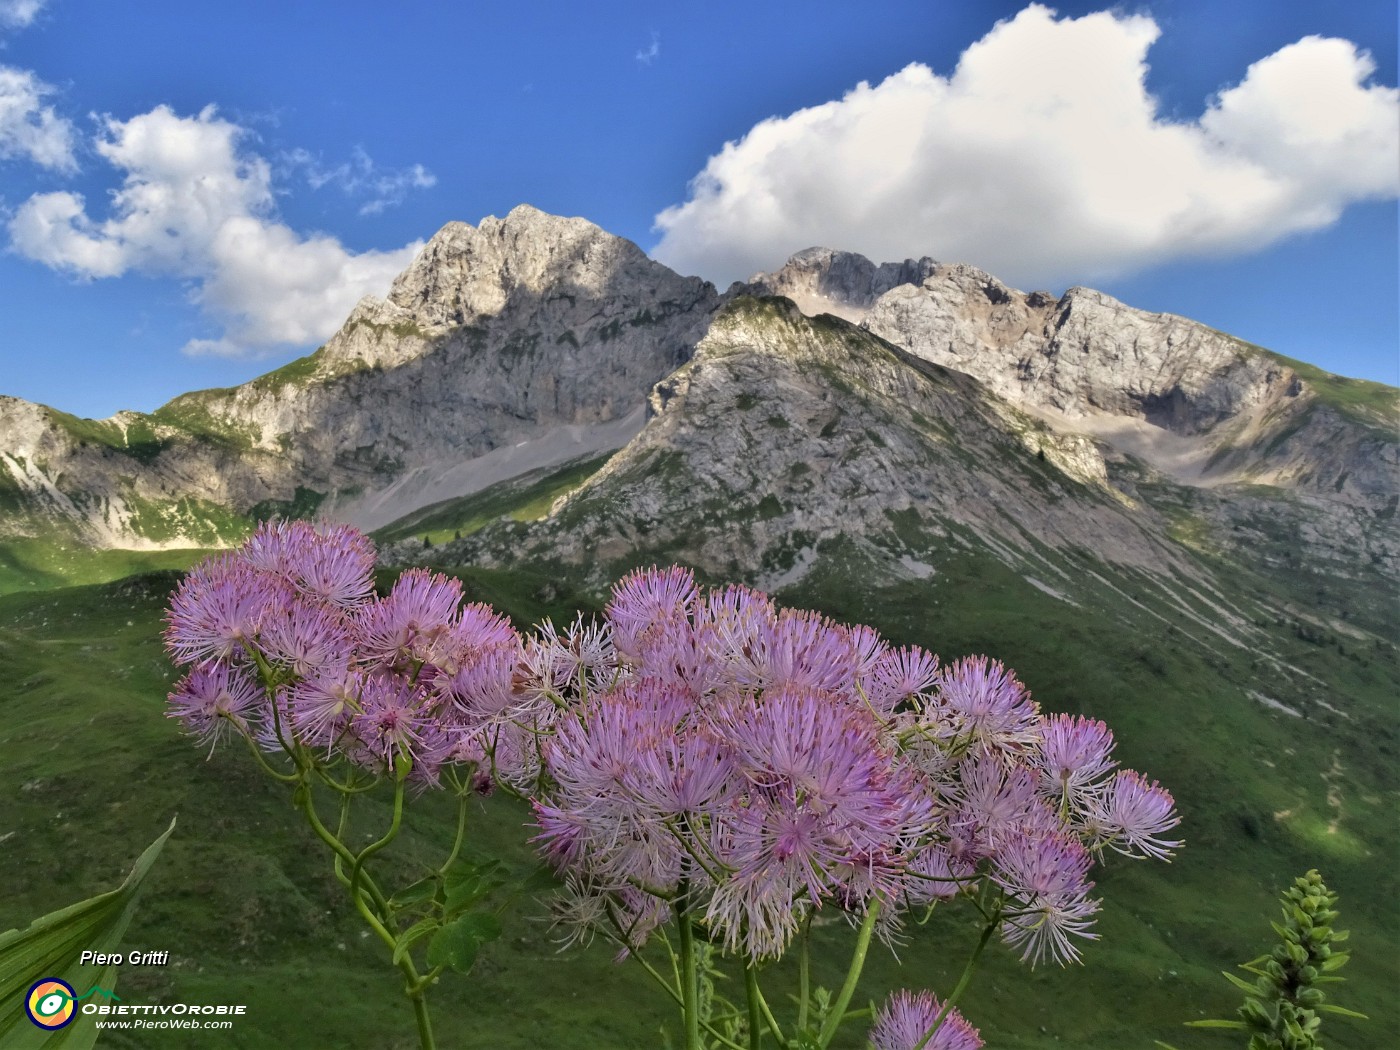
point(525, 498)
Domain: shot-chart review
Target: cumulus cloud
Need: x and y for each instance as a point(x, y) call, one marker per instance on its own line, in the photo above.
point(361, 177)
point(197, 206)
point(16, 14)
point(1044, 160)
point(30, 129)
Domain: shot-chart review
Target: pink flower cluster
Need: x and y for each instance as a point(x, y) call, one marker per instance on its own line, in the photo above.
point(288, 645)
point(905, 1018)
point(757, 764)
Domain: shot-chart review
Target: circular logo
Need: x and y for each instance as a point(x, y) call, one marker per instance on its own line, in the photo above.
point(49, 1003)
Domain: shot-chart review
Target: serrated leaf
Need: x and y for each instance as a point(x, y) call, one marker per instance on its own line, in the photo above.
point(457, 944)
point(52, 946)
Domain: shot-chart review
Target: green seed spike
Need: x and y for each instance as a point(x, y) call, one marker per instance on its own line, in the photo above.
point(1281, 1008)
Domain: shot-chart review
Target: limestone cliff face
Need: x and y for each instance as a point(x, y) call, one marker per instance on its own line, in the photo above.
point(532, 329)
point(493, 335)
point(820, 280)
point(786, 432)
point(1198, 405)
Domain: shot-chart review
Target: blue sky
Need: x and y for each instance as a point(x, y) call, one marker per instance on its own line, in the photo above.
point(193, 194)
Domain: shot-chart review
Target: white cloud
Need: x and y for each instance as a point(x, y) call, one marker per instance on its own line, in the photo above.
point(1043, 159)
point(196, 206)
point(361, 177)
point(28, 128)
point(16, 14)
point(649, 54)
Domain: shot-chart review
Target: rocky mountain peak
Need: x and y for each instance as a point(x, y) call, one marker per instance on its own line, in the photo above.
point(465, 274)
point(821, 280)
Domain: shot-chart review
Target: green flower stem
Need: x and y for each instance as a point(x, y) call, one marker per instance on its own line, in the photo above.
point(804, 975)
point(759, 1010)
point(377, 845)
point(690, 982)
point(461, 833)
point(755, 1016)
point(676, 998)
point(420, 1014)
point(838, 1011)
point(360, 886)
point(962, 981)
point(269, 683)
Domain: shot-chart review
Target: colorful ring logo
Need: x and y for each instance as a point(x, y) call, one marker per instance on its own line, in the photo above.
point(50, 1003)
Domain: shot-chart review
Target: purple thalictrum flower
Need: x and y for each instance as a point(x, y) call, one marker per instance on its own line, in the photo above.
point(215, 700)
point(218, 609)
point(649, 600)
point(904, 1020)
point(1132, 815)
point(986, 706)
point(1046, 874)
point(1073, 759)
point(412, 622)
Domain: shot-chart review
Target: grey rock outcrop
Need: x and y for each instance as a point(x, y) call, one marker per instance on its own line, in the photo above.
point(820, 280)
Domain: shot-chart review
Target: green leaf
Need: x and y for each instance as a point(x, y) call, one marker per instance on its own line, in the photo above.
point(467, 883)
point(412, 936)
point(51, 947)
point(1247, 986)
point(1237, 1025)
point(456, 945)
point(541, 878)
point(1342, 1011)
point(1335, 962)
point(416, 893)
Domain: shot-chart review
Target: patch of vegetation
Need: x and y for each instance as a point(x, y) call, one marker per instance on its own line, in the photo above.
point(293, 373)
point(522, 499)
point(138, 439)
point(30, 564)
point(303, 504)
point(1360, 400)
point(202, 523)
point(191, 414)
point(401, 330)
point(769, 507)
